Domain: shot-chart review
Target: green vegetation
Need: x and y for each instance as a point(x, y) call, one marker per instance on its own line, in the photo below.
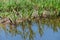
point(15, 9)
point(22, 10)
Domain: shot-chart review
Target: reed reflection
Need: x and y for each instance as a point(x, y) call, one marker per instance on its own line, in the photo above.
point(25, 28)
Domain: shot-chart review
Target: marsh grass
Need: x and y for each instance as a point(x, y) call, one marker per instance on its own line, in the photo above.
point(25, 8)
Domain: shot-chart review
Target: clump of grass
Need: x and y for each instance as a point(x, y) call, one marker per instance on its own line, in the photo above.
point(25, 7)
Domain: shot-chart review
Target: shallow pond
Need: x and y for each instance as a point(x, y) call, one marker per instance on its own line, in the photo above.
point(44, 29)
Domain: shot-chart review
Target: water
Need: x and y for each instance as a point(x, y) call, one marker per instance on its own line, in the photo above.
point(44, 29)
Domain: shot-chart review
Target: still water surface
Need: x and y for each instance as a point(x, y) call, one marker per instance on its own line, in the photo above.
point(48, 29)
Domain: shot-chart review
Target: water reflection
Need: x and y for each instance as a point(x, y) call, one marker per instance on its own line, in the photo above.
point(30, 30)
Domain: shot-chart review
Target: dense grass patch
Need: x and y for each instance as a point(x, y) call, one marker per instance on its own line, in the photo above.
point(25, 8)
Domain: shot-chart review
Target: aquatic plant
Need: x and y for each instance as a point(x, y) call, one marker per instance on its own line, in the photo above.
point(15, 9)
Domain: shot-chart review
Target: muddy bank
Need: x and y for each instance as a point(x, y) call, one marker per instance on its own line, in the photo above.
point(20, 20)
